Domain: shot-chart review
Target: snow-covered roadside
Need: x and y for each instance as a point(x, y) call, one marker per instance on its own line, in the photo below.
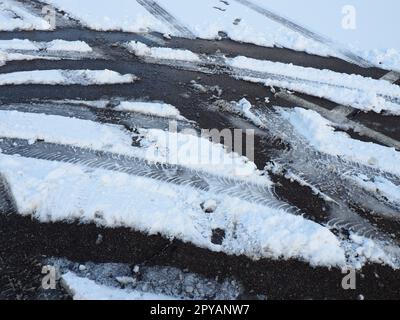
point(85, 289)
point(65, 77)
point(15, 17)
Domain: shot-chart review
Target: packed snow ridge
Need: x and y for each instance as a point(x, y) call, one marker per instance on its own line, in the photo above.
point(66, 77)
point(142, 50)
point(54, 45)
point(85, 289)
point(155, 109)
point(43, 188)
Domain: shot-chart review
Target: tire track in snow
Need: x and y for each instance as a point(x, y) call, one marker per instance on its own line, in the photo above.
point(215, 64)
point(164, 16)
point(7, 202)
point(248, 191)
point(331, 176)
point(130, 120)
point(347, 54)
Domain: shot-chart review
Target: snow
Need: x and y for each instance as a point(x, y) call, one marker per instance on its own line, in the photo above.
point(156, 145)
point(55, 45)
point(151, 108)
point(62, 45)
point(142, 50)
point(65, 77)
point(18, 44)
point(125, 15)
point(372, 38)
point(363, 93)
point(359, 92)
point(51, 191)
point(14, 17)
point(86, 289)
point(23, 49)
point(320, 133)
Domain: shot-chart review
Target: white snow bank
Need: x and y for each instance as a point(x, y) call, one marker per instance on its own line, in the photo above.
point(142, 50)
point(354, 90)
point(62, 45)
point(125, 15)
point(65, 77)
point(52, 191)
point(13, 16)
point(151, 108)
point(86, 289)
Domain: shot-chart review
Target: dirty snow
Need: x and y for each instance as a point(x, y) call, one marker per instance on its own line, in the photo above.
point(65, 77)
point(359, 92)
point(52, 191)
point(321, 134)
point(86, 289)
point(142, 50)
point(371, 39)
point(151, 108)
point(54, 45)
point(164, 281)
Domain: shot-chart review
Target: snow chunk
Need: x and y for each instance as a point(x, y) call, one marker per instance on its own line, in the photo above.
point(62, 45)
point(320, 133)
point(151, 108)
point(142, 50)
point(18, 44)
point(86, 289)
point(65, 77)
point(52, 191)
